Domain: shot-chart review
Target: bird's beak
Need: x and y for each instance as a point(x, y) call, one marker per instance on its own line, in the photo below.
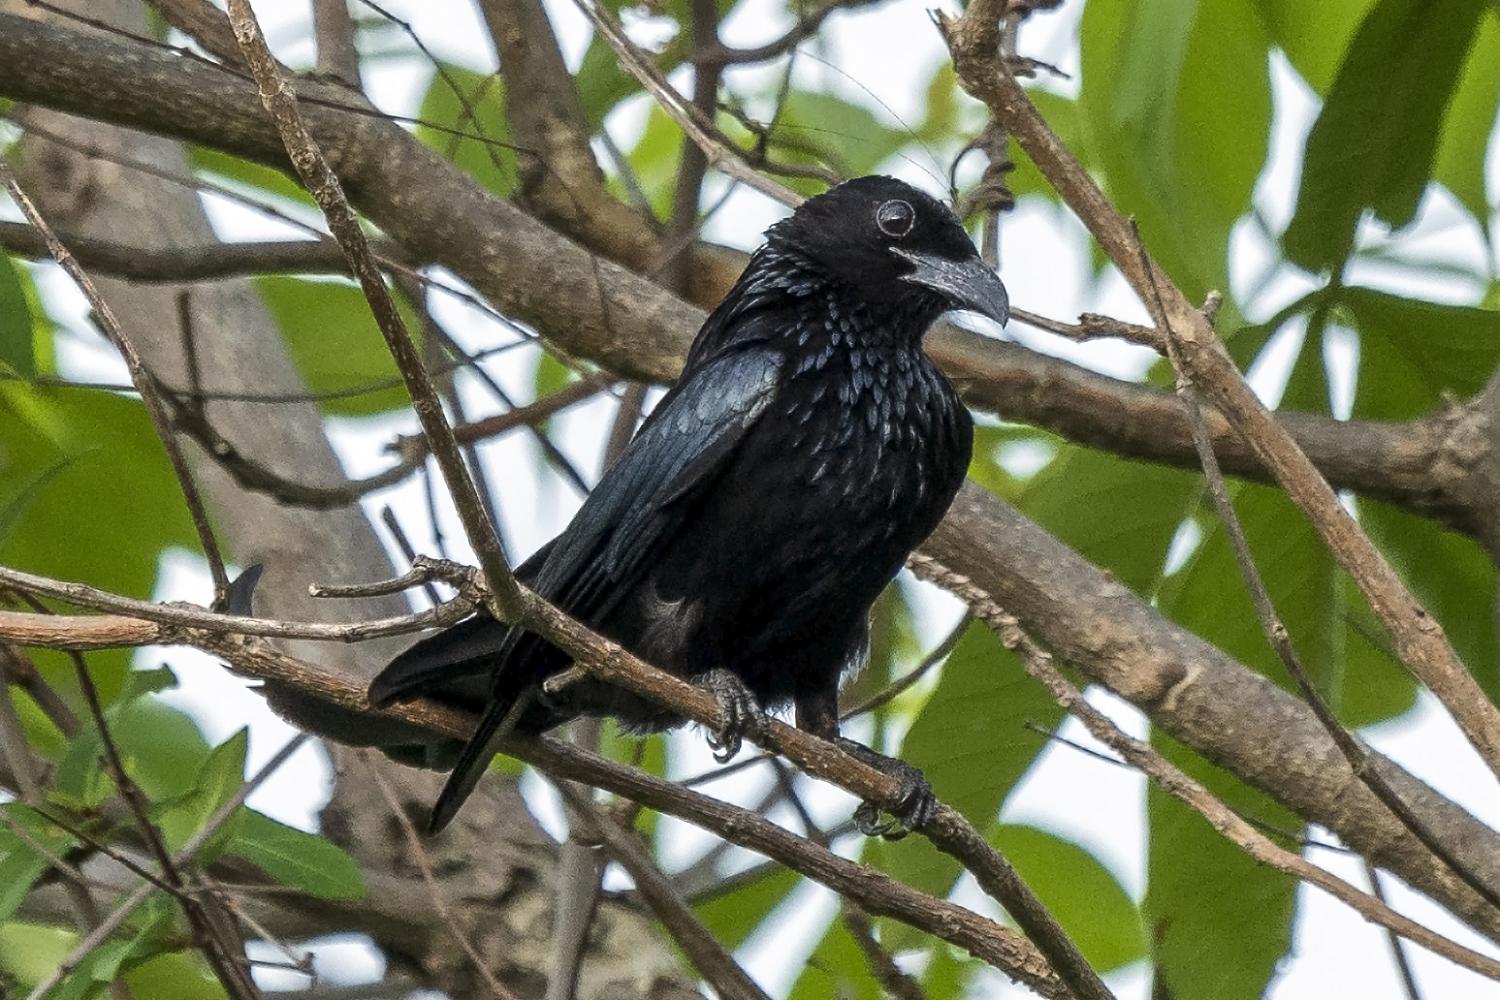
point(966, 284)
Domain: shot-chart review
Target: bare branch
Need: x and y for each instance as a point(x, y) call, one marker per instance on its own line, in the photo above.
point(1419, 639)
point(334, 29)
point(324, 186)
point(709, 958)
point(166, 620)
point(144, 381)
point(1183, 787)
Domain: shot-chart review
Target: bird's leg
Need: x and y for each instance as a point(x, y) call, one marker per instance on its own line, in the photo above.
point(741, 713)
point(911, 811)
point(817, 713)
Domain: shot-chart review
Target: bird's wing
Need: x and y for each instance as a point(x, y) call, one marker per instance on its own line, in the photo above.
point(678, 451)
point(601, 554)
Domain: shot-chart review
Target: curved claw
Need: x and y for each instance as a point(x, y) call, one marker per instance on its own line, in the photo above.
point(913, 809)
point(740, 711)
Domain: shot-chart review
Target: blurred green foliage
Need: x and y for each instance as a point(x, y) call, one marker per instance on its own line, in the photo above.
point(1173, 115)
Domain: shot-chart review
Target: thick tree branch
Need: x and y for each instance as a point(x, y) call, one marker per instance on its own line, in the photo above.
point(876, 893)
point(1219, 707)
point(638, 330)
point(1419, 639)
point(324, 186)
point(1182, 786)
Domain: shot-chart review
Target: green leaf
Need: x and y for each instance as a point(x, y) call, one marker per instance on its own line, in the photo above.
point(297, 858)
point(1373, 145)
point(163, 747)
point(1177, 103)
point(603, 83)
point(820, 128)
point(948, 973)
point(653, 161)
point(178, 975)
point(115, 474)
point(1082, 894)
point(334, 341)
point(221, 775)
point(492, 164)
point(17, 342)
point(1146, 504)
point(28, 952)
point(1465, 138)
point(1314, 36)
point(948, 113)
point(19, 869)
point(734, 916)
point(1219, 922)
point(80, 781)
point(971, 741)
point(247, 174)
point(837, 968)
point(1411, 352)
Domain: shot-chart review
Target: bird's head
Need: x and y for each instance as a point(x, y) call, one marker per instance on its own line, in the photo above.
point(893, 244)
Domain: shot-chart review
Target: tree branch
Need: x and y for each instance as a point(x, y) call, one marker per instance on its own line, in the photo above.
point(1181, 786)
point(638, 330)
point(1419, 639)
point(325, 188)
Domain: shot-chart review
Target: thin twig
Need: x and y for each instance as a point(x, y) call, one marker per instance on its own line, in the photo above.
point(318, 177)
point(398, 534)
point(140, 376)
point(708, 957)
point(122, 912)
point(1181, 786)
point(56, 633)
point(897, 984)
point(418, 854)
point(1398, 947)
point(895, 688)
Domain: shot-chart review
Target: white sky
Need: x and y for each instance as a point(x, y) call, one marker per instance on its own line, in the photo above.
point(889, 51)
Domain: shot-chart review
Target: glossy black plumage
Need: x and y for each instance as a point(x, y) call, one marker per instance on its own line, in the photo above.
point(808, 447)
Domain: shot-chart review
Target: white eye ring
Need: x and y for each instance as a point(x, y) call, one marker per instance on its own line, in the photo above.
point(895, 217)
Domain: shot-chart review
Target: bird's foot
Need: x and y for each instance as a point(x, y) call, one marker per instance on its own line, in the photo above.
point(911, 812)
point(741, 714)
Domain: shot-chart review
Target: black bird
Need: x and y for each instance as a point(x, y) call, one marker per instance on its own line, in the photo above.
point(741, 538)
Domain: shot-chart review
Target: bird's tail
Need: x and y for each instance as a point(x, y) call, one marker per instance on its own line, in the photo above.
point(477, 753)
point(476, 664)
point(438, 663)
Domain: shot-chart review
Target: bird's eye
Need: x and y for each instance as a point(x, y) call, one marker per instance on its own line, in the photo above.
point(895, 217)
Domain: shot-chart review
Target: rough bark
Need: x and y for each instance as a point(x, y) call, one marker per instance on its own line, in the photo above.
point(496, 865)
point(601, 310)
point(1204, 698)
